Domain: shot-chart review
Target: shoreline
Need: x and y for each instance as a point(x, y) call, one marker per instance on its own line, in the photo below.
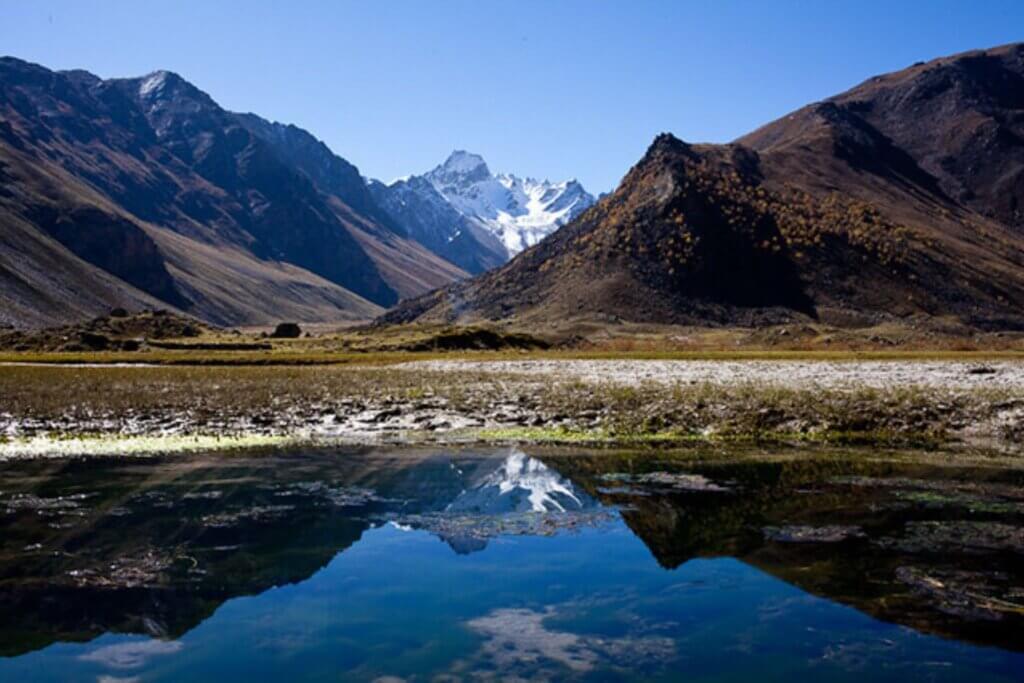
point(596, 403)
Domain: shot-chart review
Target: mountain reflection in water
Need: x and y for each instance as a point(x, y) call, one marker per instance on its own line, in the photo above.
point(608, 565)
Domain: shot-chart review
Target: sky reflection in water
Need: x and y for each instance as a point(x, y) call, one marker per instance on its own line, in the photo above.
point(463, 566)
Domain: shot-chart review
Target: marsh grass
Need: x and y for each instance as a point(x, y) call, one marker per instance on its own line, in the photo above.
point(281, 399)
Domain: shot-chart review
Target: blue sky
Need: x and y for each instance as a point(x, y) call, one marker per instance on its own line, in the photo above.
point(549, 89)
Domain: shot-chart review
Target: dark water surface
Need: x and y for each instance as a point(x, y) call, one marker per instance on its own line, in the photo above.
point(468, 565)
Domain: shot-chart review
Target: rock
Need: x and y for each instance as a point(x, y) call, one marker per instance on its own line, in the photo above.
point(286, 331)
point(94, 341)
point(118, 313)
point(811, 534)
point(978, 596)
point(677, 481)
point(959, 536)
point(385, 414)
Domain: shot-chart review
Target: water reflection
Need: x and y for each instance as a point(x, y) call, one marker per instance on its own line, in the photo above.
point(155, 547)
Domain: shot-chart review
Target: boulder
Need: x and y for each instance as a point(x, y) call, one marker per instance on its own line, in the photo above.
point(286, 331)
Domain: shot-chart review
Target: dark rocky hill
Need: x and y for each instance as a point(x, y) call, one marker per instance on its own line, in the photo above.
point(895, 200)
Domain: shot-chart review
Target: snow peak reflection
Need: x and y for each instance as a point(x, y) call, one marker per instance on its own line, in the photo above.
point(608, 564)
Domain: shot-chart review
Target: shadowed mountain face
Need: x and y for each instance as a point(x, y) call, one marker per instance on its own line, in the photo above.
point(895, 201)
point(328, 171)
point(279, 212)
point(408, 264)
point(435, 223)
point(112, 243)
point(148, 184)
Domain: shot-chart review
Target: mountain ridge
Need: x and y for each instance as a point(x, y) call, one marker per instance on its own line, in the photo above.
point(830, 213)
point(901, 199)
point(146, 190)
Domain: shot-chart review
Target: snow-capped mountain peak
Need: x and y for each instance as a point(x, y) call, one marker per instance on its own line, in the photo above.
point(519, 212)
point(461, 162)
point(475, 219)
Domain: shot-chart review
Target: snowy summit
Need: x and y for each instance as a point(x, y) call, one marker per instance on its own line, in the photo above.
point(475, 219)
point(518, 211)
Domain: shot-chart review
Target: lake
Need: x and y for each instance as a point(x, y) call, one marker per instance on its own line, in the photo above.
point(437, 564)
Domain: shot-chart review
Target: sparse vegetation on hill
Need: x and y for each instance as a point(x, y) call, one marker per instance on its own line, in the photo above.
point(839, 212)
point(118, 331)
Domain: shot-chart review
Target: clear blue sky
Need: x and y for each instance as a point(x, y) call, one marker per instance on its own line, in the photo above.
point(550, 89)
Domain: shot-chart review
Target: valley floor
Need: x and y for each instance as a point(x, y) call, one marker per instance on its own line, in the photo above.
point(67, 410)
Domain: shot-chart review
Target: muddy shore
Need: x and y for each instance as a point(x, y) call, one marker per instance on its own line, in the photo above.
point(61, 410)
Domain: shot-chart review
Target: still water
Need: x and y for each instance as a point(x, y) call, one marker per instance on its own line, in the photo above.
point(475, 565)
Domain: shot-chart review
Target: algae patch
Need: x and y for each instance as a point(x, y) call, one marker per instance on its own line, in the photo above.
point(59, 446)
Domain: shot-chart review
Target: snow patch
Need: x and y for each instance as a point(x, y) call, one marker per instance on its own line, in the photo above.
point(152, 82)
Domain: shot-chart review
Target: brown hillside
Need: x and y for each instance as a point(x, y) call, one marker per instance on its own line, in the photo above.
point(826, 213)
point(145, 192)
